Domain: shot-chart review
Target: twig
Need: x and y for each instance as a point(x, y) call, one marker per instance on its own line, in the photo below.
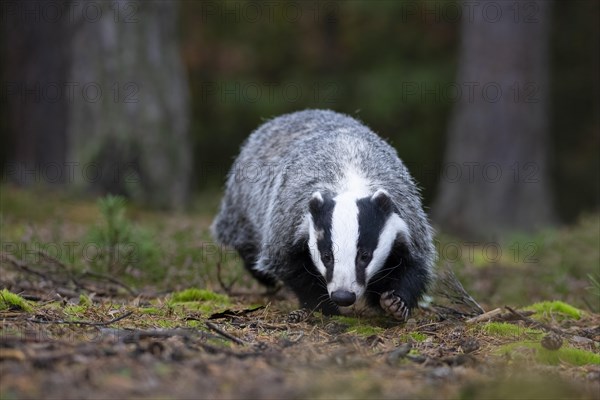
point(53, 260)
point(537, 324)
point(226, 288)
point(135, 335)
point(87, 323)
point(233, 314)
point(30, 297)
point(111, 279)
point(21, 265)
point(63, 266)
point(485, 316)
point(221, 332)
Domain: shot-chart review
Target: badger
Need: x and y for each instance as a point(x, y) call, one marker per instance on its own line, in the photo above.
point(320, 203)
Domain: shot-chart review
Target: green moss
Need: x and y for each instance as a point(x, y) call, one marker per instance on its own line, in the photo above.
point(84, 300)
point(198, 300)
point(412, 337)
point(521, 385)
point(414, 352)
point(418, 336)
point(194, 294)
point(553, 309)
point(12, 301)
point(569, 355)
point(208, 307)
point(355, 325)
point(166, 323)
point(504, 329)
point(75, 309)
point(366, 330)
point(193, 323)
point(150, 311)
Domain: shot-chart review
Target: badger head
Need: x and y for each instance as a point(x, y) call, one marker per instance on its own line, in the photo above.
point(350, 239)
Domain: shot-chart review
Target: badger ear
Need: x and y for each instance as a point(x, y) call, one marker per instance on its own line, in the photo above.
point(316, 203)
point(382, 199)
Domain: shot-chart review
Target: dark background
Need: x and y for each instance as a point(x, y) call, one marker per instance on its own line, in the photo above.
point(222, 68)
point(366, 60)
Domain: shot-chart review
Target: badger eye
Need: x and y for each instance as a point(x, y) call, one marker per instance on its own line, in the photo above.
point(364, 256)
point(327, 257)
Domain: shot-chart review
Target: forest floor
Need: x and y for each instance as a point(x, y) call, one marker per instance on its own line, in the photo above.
point(102, 302)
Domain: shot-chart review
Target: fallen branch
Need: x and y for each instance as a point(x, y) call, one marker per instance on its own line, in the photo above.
point(61, 265)
point(53, 260)
point(537, 324)
point(221, 332)
point(220, 350)
point(23, 266)
point(135, 335)
point(235, 313)
point(112, 280)
point(485, 316)
point(86, 323)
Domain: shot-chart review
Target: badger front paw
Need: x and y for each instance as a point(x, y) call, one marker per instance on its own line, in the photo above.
point(393, 305)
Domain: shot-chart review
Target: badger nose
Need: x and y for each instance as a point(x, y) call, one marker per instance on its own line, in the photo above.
point(343, 298)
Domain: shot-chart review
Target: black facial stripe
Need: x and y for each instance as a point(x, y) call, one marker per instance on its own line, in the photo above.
point(322, 219)
point(371, 220)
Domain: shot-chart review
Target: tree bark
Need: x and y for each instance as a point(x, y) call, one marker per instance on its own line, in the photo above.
point(36, 64)
point(133, 137)
point(119, 123)
point(495, 174)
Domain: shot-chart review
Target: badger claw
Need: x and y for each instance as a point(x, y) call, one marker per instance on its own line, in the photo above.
point(394, 306)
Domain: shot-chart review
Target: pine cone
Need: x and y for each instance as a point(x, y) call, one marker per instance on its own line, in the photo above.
point(552, 341)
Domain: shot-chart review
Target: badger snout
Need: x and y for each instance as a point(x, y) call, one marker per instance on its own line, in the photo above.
point(343, 298)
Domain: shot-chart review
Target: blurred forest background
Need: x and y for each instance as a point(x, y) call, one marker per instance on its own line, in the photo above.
point(492, 104)
point(184, 83)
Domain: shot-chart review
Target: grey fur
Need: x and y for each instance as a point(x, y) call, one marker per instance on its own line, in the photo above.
point(292, 156)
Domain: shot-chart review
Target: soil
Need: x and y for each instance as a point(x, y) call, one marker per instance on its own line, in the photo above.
point(119, 345)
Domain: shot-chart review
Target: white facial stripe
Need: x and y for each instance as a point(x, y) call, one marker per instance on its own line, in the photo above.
point(313, 235)
point(344, 235)
point(394, 226)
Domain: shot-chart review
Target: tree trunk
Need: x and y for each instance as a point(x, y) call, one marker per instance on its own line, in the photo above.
point(119, 122)
point(129, 128)
point(36, 63)
point(495, 173)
